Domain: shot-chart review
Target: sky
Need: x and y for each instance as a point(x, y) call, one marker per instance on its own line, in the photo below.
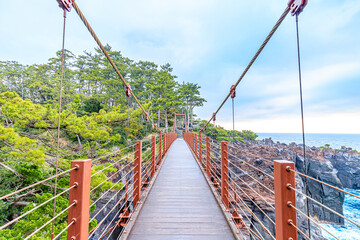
point(210, 42)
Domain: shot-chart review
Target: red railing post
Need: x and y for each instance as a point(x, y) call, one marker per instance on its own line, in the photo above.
point(153, 157)
point(200, 150)
point(225, 174)
point(137, 172)
point(163, 145)
point(284, 214)
point(160, 153)
point(208, 151)
point(167, 142)
point(81, 194)
point(196, 146)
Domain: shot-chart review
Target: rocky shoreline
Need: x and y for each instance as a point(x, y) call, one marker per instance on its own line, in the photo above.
point(340, 168)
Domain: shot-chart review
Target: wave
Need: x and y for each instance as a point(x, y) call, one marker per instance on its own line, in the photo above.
point(352, 211)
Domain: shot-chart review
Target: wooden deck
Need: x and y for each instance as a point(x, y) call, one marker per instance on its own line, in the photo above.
point(180, 204)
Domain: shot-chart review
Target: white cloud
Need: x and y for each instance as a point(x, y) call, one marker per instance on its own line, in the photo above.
point(314, 123)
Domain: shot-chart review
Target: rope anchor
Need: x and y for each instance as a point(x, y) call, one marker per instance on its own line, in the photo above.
point(297, 6)
point(233, 91)
point(65, 4)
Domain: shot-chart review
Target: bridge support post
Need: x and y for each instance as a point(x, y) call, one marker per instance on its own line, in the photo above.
point(225, 174)
point(285, 216)
point(81, 194)
point(200, 150)
point(196, 145)
point(208, 151)
point(153, 158)
point(137, 172)
point(160, 154)
point(163, 145)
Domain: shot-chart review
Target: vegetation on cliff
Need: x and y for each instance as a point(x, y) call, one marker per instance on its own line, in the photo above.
point(96, 118)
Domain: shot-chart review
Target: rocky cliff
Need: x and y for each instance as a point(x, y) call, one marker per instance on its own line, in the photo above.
point(340, 168)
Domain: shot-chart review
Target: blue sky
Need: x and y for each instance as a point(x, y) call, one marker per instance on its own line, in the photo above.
point(210, 42)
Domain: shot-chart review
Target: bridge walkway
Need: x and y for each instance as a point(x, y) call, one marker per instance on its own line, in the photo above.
point(180, 204)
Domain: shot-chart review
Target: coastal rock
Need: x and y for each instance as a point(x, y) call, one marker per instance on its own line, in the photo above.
point(340, 169)
point(348, 166)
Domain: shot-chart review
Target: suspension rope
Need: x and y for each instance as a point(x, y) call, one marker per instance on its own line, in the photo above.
point(59, 119)
point(102, 221)
point(273, 30)
point(37, 183)
point(51, 220)
point(302, 122)
point(326, 184)
point(86, 23)
point(313, 220)
point(233, 119)
point(107, 193)
point(324, 206)
point(37, 207)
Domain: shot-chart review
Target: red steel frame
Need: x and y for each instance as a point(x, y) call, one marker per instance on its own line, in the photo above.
point(186, 125)
point(225, 174)
point(81, 194)
point(200, 150)
point(160, 153)
point(153, 157)
point(137, 172)
point(284, 214)
point(208, 152)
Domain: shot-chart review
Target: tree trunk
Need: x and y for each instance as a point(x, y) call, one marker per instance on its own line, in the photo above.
point(166, 121)
point(192, 120)
point(159, 118)
point(187, 114)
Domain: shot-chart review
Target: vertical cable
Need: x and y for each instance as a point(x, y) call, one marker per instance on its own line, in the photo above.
point(233, 118)
point(128, 128)
point(59, 118)
point(302, 122)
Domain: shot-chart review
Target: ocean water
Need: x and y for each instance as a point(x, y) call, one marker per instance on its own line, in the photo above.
point(352, 211)
point(351, 204)
point(336, 141)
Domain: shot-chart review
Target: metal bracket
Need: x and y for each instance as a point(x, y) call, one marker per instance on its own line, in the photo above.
point(233, 91)
point(297, 6)
point(65, 4)
point(128, 90)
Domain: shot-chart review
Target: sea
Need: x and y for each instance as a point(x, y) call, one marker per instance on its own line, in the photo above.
point(336, 141)
point(351, 204)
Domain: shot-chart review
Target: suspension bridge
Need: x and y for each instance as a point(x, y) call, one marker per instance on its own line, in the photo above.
point(181, 187)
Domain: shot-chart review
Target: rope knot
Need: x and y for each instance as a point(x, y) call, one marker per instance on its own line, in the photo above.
point(65, 4)
point(297, 6)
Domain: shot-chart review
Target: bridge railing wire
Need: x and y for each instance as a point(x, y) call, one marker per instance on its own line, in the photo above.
point(322, 205)
point(241, 188)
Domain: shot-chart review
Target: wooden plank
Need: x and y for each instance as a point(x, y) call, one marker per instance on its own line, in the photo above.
point(180, 204)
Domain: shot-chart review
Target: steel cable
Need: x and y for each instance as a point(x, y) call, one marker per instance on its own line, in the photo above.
point(236, 205)
point(326, 207)
point(243, 161)
point(66, 228)
point(111, 166)
point(39, 206)
point(326, 184)
point(273, 30)
point(86, 23)
point(108, 192)
point(111, 154)
point(313, 220)
point(38, 183)
point(101, 222)
point(48, 222)
point(266, 215)
point(59, 116)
